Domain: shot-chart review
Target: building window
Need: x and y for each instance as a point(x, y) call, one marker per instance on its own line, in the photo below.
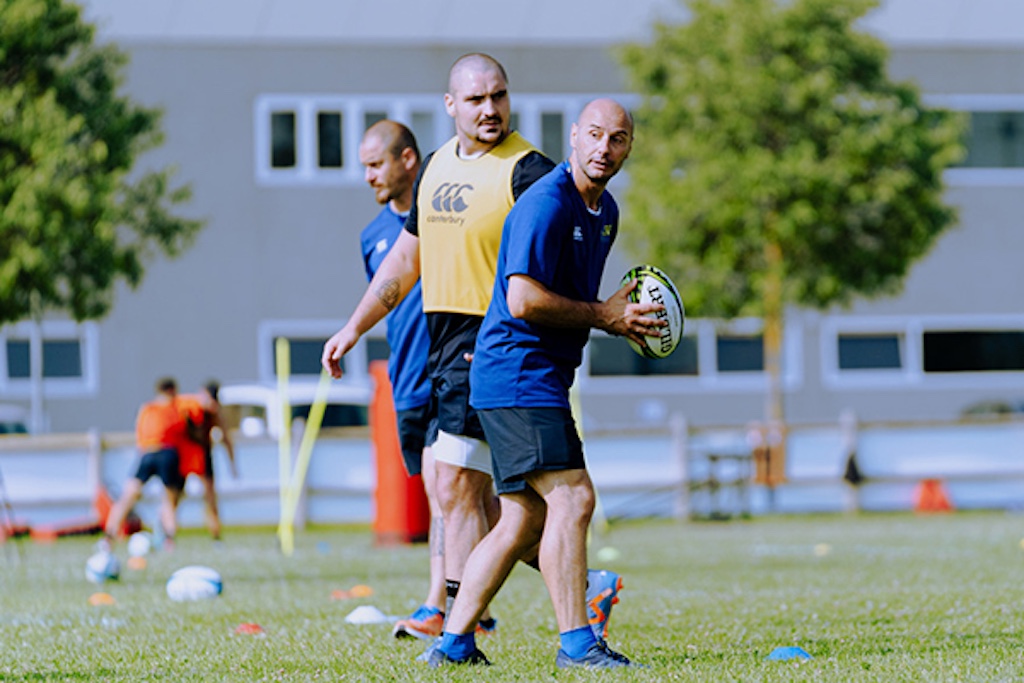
point(552, 135)
point(372, 117)
point(304, 355)
point(955, 351)
point(69, 358)
point(974, 351)
point(314, 139)
point(869, 352)
point(738, 353)
point(282, 146)
point(712, 356)
point(305, 345)
point(422, 126)
point(61, 358)
point(330, 148)
point(377, 349)
point(612, 356)
point(995, 140)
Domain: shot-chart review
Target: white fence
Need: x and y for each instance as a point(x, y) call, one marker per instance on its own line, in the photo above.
point(679, 473)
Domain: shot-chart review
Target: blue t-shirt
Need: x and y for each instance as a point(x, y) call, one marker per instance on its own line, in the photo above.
point(407, 324)
point(552, 237)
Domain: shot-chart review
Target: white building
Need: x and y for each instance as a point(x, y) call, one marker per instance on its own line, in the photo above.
point(265, 103)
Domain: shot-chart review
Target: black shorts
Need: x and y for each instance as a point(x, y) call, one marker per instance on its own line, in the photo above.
point(416, 429)
point(164, 464)
point(208, 461)
point(452, 335)
point(525, 440)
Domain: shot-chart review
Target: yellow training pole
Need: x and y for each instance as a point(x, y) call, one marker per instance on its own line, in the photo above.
point(315, 419)
point(285, 533)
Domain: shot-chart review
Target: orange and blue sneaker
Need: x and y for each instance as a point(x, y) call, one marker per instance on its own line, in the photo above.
point(425, 623)
point(486, 627)
point(603, 589)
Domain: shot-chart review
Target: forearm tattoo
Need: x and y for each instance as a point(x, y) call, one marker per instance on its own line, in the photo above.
point(387, 293)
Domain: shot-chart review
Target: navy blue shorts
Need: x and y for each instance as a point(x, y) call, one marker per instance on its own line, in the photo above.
point(416, 429)
point(163, 464)
point(525, 440)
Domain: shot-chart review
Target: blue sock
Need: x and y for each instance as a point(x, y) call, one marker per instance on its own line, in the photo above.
point(576, 642)
point(458, 646)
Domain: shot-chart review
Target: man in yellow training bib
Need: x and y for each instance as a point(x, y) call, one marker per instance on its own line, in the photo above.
point(464, 191)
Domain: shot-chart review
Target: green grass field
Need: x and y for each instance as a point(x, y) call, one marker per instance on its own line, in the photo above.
point(871, 598)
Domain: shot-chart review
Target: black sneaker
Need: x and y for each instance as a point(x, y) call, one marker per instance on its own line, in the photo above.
point(599, 656)
point(438, 659)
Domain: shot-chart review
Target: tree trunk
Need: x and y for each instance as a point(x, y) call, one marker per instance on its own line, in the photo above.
point(774, 413)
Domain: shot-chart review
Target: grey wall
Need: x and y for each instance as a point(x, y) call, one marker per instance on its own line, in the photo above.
point(291, 252)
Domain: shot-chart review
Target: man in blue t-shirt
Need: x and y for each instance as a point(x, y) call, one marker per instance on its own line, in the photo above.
point(554, 246)
point(391, 160)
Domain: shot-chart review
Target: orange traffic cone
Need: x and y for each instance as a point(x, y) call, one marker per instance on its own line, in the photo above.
point(930, 496)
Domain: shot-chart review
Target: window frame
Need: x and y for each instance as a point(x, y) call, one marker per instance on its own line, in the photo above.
point(966, 103)
point(86, 334)
point(708, 377)
point(911, 329)
point(354, 363)
point(529, 107)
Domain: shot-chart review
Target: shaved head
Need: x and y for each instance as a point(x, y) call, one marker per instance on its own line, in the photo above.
point(390, 162)
point(393, 137)
point(477, 99)
point(601, 140)
point(608, 110)
point(473, 63)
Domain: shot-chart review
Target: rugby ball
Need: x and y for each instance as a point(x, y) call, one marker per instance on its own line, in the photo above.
point(102, 566)
point(194, 582)
point(656, 287)
point(139, 544)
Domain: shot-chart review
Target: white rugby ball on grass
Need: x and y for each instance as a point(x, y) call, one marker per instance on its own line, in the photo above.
point(656, 287)
point(102, 566)
point(194, 582)
point(140, 543)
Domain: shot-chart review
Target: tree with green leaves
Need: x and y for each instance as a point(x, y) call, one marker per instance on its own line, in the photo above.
point(74, 217)
point(776, 164)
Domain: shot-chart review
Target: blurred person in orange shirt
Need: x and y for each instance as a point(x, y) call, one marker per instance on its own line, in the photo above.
point(203, 419)
point(160, 430)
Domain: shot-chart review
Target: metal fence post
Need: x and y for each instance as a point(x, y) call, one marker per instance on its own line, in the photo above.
point(680, 431)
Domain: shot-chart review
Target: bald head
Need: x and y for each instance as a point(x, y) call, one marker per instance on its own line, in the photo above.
point(473, 64)
point(390, 161)
point(393, 137)
point(477, 99)
point(601, 138)
point(608, 111)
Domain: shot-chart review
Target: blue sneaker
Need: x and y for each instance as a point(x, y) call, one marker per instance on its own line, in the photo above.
point(438, 659)
point(429, 652)
point(599, 656)
point(603, 589)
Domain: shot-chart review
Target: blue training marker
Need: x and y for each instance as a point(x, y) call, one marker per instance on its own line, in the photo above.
point(785, 653)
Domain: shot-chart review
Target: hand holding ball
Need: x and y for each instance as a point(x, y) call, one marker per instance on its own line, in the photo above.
point(655, 287)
